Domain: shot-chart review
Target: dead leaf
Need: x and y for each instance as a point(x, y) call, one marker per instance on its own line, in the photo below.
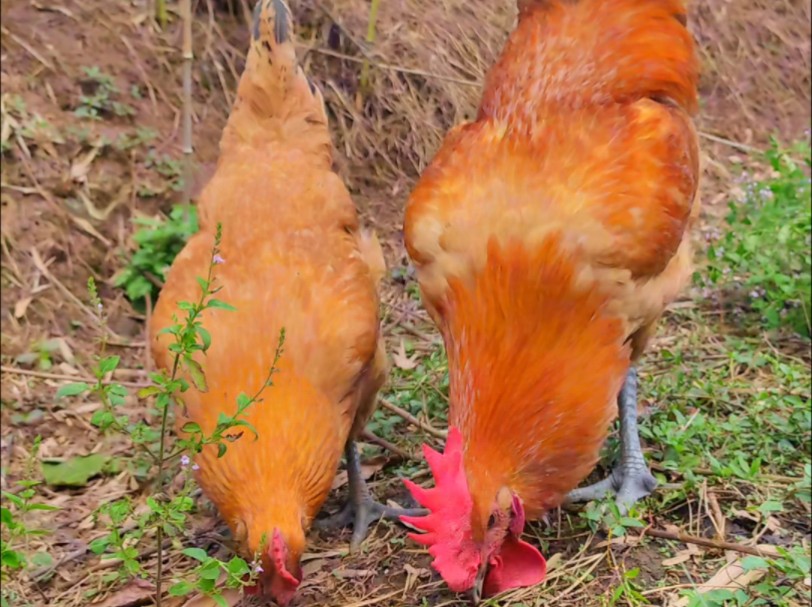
point(21, 306)
point(730, 577)
point(80, 167)
point(413, 576)
point(554, 562)
point(623, 540)
point(134, 594)
point(681, 557)
point(312, 567)
point(353, 573)
point(401, 360)
point(231, 597)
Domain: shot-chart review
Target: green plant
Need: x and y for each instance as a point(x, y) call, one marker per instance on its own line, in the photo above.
point(765, 252)
point(606, 514)
point(15, 552)
point(158, 241)
point(98, 98)
point(627, 591)
point(167, 510)
point(41, 354)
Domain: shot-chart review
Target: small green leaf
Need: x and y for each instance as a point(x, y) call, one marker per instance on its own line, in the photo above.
point(109, 364)
point(220, 305)
point(182, 588)
point(627, 521)
point(209, 571)
point(196, 553)
point(72, 390)
point(221, 449)
point(237, 567)
point(196, 371)
point(42, 559)
point(45, 507)
point(754, 562)
point(148, 391)
point(74, 472)
point(243, 401)
point(191, 427)
point(219, 599)
point(205, 338)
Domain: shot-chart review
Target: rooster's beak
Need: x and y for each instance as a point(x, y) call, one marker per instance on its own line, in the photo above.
point(476, 591)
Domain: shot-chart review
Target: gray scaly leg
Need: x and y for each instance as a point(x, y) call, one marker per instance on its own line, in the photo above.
point(631, 479)
point(361, 510)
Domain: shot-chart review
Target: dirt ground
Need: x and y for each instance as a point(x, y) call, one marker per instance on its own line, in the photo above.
point(72, 185)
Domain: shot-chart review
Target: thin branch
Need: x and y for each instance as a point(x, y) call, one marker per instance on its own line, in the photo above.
point(377, 440)
point(701, 541)
point(413, 420)
point(63, 377)
point(742, 147)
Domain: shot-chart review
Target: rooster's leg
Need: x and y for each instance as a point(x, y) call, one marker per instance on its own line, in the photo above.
point(361, 510)
point(631, 479)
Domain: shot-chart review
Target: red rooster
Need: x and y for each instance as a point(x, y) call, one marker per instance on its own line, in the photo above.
point(549, 236)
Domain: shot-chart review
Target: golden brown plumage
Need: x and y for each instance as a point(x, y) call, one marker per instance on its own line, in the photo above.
point(549, 235)
point(295, 257)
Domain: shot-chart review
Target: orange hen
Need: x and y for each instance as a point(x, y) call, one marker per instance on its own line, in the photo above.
point(294, 257)
point(549, 236)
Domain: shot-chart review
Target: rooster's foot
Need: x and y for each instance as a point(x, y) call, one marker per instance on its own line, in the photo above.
point(631, 480)
point(630, 483)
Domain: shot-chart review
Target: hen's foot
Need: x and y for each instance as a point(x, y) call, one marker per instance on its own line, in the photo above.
point(631, 480)
point(362, 516)
point(361, 510)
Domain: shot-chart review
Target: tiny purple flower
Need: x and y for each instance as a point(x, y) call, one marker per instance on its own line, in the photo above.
point(217, 259)
point(258, 568)
point(195, 467)
point(184, 460)
point(100, 307)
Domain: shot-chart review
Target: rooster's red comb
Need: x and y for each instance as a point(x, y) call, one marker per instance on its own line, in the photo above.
point(447, 527)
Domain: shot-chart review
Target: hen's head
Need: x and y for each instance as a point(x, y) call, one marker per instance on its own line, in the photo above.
point(279, 569)
point(481, 555)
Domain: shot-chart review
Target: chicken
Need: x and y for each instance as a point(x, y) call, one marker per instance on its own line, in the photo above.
point(293, 257)
point(548, 237)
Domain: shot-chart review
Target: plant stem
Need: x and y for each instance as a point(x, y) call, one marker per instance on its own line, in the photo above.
point(161, 448)
point(373, 18)
point(160, 12)
point(190, 320)
point(188, 56)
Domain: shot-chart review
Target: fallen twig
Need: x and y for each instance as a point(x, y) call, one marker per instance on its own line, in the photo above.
point(377, 440)
point(413, 420)
point(701, 541)
point(62, 377)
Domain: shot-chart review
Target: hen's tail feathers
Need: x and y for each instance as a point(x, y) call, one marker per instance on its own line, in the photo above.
point(570, 54)
point(273, 85)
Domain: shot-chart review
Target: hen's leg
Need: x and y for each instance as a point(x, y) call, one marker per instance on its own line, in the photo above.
point(361, 510)
point(631, 479)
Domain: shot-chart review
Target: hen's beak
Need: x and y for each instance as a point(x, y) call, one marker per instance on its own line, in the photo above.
point(476, 591)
